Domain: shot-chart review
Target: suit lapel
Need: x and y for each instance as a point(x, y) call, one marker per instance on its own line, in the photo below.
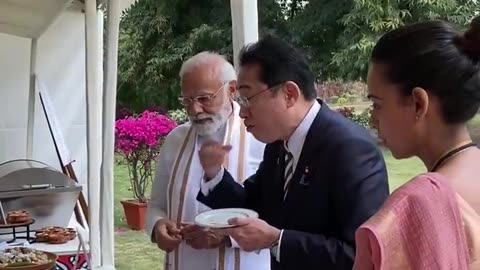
point(315, 137)
point(279, 171)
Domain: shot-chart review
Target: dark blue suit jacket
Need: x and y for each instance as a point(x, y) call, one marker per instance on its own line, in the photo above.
point(340, 181)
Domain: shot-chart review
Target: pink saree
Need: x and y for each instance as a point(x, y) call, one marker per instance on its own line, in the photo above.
point(424, 225)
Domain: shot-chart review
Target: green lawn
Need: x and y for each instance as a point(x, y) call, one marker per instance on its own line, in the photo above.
point(474, 127)
point(400, 171)
point(358, 106)
point(133, 249)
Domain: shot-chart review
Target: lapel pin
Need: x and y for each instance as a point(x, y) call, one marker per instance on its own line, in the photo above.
point(303, 181)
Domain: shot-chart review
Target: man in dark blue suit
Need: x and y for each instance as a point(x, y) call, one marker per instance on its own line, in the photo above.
point(321, 176)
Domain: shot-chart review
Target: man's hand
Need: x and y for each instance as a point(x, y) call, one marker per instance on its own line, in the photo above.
point(200, 238)
point(252, 233)
point(167, 235)
point(212, 155)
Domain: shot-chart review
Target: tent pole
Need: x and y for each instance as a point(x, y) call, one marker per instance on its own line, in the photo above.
point(32, 95)
point(244, 25)
point(109, 100)
point(94, 129)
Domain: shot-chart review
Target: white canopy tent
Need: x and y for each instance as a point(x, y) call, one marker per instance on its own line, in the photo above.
point(31, 19)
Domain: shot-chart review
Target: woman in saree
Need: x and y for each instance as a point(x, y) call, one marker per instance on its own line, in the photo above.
point(424, 82)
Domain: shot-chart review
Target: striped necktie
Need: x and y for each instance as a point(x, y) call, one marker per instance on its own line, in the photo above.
point(288, 171)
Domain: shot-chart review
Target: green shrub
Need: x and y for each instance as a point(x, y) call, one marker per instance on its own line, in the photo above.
point(333, 99)
point(179, 115)
point(362, 119)
point(342, 101)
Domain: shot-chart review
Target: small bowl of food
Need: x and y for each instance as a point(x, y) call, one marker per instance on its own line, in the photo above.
point(22, 258)
point(19, 216)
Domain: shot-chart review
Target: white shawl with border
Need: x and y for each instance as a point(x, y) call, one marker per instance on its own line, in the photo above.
point(184, 184)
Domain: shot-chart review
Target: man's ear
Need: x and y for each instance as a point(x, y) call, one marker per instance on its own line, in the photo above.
point(421, 101)
point(292, 93)
point(232, 89)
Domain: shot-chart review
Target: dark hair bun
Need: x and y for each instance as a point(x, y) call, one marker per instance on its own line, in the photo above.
point(470, 41)
point(438, 60)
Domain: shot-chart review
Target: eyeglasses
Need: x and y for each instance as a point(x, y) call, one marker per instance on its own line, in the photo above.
point(245, 101)
point(204, 100)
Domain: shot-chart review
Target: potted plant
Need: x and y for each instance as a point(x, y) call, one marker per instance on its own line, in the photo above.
point(138, 140)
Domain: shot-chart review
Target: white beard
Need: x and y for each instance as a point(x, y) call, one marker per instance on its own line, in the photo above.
point(217, 121)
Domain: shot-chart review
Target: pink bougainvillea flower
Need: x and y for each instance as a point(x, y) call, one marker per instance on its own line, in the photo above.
point(138, 140)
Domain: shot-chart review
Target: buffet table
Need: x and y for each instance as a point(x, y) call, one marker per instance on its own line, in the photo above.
point(35, 196)
point(66, 252)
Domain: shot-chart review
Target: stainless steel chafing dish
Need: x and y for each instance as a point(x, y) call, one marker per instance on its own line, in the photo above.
point(46, 193)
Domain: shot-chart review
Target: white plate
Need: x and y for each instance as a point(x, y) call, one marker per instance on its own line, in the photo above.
point(218, 218)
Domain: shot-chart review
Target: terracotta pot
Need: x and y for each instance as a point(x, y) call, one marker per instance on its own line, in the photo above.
point(135, 213)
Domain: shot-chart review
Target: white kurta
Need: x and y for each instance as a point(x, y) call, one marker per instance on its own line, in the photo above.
point(177, 183)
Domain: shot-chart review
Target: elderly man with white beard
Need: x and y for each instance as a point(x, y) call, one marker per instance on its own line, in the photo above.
point(208, 86)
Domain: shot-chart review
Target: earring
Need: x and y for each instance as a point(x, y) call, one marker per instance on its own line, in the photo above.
point(417, 117)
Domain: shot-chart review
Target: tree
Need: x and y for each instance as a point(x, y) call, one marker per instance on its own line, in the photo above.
point(339, 35)
point(368, 20)
point(157, 36)
point(336, 35)
point(315, 27)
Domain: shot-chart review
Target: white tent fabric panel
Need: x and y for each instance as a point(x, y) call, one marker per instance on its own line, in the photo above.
point(61, 73)
point(15, 55)
point(29, 18)
point(52, 65)
point(62, 70)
